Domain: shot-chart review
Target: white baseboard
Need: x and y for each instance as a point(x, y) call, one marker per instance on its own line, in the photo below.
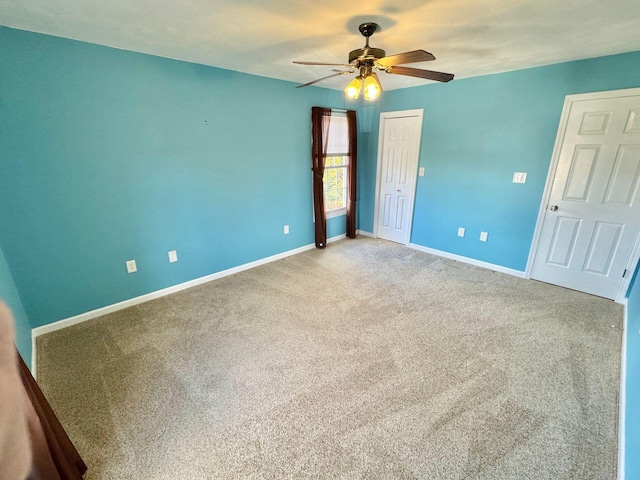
point(83, 317)
point(622, 404)
point(364, 233)
point(34, 369)
point(312, 245)
point(472, 261)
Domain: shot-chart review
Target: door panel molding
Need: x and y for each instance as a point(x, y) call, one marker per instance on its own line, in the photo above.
point(384, 116)
point(600, 125)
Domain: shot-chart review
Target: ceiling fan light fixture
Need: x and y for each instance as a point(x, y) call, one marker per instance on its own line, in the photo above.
point(364, 60)
point(372, 87)
point(353, 89)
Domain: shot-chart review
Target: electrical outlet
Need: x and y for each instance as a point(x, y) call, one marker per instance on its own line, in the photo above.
point(519, 177)
point(131, 266)
point(286, 229)
point(483, 236)
point(173, 256)
point(461, 231)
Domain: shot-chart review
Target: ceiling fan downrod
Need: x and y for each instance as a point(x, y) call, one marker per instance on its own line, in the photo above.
point(367, 52)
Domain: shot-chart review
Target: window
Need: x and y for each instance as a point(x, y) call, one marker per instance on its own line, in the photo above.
point(334, 142)
point(335, 183)
point(336, 166)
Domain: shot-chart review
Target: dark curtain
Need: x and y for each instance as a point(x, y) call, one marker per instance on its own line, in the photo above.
point(353, 161)
point(320, 118)
point(54, 456)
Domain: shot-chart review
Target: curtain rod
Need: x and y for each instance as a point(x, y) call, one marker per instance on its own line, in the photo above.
point(343, 110)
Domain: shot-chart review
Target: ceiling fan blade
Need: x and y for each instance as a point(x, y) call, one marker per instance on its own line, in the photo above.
point(322, 63)
point(416, 72)
point(324, 78)
point(406, 57)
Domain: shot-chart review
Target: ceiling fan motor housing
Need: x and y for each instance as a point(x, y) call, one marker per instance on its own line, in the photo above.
point(366, 53)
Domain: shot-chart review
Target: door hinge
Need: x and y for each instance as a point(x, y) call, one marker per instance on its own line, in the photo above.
point(624, 274)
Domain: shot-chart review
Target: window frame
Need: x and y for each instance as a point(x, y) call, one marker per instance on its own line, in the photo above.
point(337, 212)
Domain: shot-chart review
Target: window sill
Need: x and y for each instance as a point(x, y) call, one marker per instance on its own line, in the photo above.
point(338, 212)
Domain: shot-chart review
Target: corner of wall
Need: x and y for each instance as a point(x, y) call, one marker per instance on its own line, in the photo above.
point(10, 295)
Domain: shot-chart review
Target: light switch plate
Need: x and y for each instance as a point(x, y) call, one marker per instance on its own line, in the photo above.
point(519, 177)
point(461, 231)
point(131, 266)
point(286, 229)
point(483, 236)
point(421, 172)
point(173, 256)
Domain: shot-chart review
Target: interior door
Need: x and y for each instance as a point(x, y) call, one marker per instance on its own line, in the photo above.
point(400, 149)
point(592, 218)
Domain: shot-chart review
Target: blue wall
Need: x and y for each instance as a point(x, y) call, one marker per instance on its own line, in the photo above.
point(10, 296)
point(109, 155)
point(476, 133)
point(632, 413)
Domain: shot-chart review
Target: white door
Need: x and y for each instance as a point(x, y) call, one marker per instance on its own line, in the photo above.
point(592, 217)
point(399, 149)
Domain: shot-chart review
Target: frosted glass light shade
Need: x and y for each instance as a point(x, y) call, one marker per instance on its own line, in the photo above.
point(353, 89)
point(372, 87)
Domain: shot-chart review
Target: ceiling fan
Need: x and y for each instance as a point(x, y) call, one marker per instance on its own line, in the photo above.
point(367, 59)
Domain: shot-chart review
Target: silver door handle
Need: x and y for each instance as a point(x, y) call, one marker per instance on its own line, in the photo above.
point(553, 208)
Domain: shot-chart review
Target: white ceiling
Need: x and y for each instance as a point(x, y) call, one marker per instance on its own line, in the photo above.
point(262, 37)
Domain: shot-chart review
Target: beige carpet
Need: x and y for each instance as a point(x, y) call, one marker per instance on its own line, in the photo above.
point(365, 360)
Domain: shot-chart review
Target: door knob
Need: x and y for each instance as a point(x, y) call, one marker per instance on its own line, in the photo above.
point(553, 208)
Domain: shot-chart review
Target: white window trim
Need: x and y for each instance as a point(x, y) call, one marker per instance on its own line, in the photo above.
point(337, 212)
